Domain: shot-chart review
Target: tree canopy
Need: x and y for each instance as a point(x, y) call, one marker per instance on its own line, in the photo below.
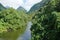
point(11, 19)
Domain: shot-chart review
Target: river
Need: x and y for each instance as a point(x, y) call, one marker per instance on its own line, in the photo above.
point(27, 34)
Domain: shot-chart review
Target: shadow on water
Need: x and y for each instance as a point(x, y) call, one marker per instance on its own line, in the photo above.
point(27, 34)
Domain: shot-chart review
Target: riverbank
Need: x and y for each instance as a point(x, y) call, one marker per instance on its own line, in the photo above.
point(12, 35)
point(21, 34)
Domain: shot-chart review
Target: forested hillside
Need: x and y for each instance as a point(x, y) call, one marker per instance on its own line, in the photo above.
point(46, 22)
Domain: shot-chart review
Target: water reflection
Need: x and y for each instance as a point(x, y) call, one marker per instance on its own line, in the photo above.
point(13, 35)
point(27, 34)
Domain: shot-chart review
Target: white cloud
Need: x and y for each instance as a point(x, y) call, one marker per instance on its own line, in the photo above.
point(27, 4)
point(12, 3)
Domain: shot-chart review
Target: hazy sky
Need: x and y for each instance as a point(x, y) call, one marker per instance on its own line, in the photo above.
point(27, 4)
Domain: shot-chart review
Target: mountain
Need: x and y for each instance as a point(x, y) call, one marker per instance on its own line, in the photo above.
point(7, 7)
point(39, 5)
point(21, 9)
point(2, 7)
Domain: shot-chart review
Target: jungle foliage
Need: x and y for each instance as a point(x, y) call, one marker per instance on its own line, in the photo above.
point(11, 20)
point(46, 22)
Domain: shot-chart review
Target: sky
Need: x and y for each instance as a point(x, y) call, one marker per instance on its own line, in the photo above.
point(27, 4)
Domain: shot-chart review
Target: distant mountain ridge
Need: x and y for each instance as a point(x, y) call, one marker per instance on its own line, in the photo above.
point(7, 7)
point(38, 5)
point(2, 7)
point(21, 8)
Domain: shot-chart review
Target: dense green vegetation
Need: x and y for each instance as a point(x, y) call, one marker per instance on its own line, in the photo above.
point(46, 22)
point(11, 19)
